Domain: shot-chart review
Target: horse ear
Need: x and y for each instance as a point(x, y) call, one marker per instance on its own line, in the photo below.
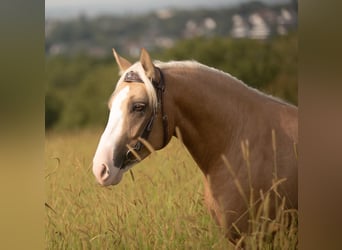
point(122, 62)
point(147, 64)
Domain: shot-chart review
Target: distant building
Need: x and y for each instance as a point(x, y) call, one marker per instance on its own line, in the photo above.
point(259, 28)
point(204, 28)
point(285, 18)
point(209, 23)
point(191, 29)
point(240, 28)
point(164, 42)
point(164, 14)
point(57, 49)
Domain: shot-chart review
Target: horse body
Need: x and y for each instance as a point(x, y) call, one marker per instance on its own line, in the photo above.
point(215, 114)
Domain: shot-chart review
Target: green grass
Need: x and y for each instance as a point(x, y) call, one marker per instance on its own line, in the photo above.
point(159, 205)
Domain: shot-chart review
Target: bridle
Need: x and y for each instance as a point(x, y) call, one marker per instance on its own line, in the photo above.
point(159, 87)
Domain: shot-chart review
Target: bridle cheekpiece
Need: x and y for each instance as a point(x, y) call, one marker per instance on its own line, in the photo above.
point(159, 87)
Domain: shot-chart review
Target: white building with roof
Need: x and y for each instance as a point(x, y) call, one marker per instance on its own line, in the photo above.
point(259, 28)
point(240, 28)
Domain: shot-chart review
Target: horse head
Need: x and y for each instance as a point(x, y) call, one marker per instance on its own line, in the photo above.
point(135, 120)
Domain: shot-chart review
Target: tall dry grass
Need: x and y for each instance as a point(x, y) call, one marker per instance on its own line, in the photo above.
point(158, 205)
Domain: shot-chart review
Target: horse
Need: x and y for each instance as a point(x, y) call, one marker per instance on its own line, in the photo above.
point(217, 116)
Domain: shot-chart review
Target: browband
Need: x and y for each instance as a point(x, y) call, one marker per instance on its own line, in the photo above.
point(132, 76)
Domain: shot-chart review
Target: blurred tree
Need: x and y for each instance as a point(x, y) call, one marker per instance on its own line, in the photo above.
point(53, 109)
point(251, 61)
point(88, 105)
point(79, 87)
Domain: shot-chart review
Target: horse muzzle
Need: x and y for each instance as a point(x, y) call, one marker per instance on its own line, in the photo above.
point(107, 175)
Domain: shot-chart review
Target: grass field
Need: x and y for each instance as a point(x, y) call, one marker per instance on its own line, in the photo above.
point(158, 205)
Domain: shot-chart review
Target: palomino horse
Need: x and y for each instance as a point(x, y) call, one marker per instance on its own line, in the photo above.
point(215, 114)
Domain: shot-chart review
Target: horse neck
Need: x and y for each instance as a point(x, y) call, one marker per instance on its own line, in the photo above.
point(206, 106)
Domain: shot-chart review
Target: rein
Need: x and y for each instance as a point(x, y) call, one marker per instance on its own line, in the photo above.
point(160, 89)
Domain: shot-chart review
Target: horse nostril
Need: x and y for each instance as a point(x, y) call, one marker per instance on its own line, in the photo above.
point(104, 171)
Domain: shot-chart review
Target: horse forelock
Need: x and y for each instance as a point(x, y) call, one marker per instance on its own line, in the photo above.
point(151, 93)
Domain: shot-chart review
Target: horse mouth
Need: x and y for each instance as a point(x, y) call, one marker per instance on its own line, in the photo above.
point(130, 158)
point(129, 161)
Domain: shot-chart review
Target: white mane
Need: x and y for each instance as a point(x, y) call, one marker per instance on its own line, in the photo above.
point(152, 96)
point(195, 64)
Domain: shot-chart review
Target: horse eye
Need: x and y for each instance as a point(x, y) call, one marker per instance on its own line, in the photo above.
point(139, 107)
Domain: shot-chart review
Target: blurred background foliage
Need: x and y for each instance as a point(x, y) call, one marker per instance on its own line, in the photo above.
point(78, 88)
point(79, 84)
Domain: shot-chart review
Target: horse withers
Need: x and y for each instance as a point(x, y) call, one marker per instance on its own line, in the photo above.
point(220, 119)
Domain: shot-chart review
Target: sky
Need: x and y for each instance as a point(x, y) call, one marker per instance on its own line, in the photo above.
point(70, 8)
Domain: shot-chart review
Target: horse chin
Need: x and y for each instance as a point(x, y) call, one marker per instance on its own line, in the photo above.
point(113, 179)
point(116, 179)
point(114, 173)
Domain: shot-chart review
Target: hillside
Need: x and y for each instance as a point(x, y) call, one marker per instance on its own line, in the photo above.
point(162, 29)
